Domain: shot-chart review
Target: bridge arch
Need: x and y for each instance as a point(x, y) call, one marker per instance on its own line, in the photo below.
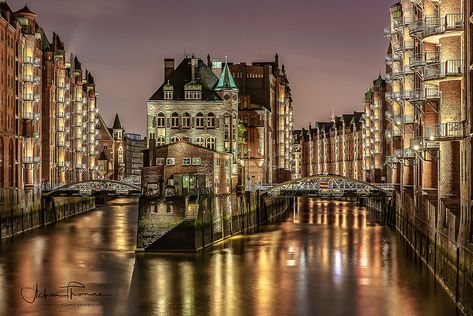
point(327, 185)
point(87, 187)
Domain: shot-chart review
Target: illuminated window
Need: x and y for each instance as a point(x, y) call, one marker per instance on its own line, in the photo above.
point(196, 161)
point(200, 141)
point(186, 120)
point(167, 95)
point(199, 120)
point(161, 121)
point(175, 120)
point(160, 161)
point(160, 141)
point(211, 120)
point(211, 143)
point(186, 161)
point(120, 155)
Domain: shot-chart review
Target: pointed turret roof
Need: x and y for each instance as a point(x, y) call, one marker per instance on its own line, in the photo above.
point(226, 81)
point(116, 123)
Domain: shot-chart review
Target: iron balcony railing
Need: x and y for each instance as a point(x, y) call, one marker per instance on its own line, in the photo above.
point(31, 116)
point(419, 144)
point(420, 60)
point(428, 93)
point(439, 25)
point(31, 160)
point(406, 153)
point(444, 69)
point(394, 132)
point(444, 131)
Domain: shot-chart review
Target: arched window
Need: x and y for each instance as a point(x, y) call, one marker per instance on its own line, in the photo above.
point(161, 121)
point(211, 143)
point(186, 120)
point(211, 120)
point(175, 139)
point(120, 155)
point(200, 141)
point(160, 141)
point(199, 120)
point(175, 120)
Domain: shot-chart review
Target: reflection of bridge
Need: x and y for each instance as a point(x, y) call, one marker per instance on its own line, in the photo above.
point(130, 186)
point(326, 186)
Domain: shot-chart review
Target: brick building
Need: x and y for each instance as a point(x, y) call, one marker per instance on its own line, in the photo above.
point(197, 104)
point(47, 113)
point(183, 168)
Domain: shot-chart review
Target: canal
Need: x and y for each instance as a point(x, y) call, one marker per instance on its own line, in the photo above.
point(326, 258)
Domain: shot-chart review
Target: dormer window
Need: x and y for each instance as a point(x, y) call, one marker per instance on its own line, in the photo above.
point(168, 91)
point(193, 91)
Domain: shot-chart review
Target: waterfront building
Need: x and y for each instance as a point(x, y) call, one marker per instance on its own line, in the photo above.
point(296, 153)
point(47, 113)
point(257, 89)
point(374, 133)
point(182, 168)
point(199, 105)
point(334, 147)
point(120, 152)
point(428, 72)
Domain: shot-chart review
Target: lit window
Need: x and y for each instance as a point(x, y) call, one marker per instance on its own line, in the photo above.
point(199, 120)
point(186, 161)
point(161, 121)
point(186, 120)
point(167, 95)
point(175, 120)
point(170, 161)
point(160, 141)
point(160, 161)
point(211, 120)
point(211, 143)
point(200, 141)
point(196, 161)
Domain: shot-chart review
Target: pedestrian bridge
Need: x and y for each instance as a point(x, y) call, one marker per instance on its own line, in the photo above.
point(130, 186)
point(325, 186)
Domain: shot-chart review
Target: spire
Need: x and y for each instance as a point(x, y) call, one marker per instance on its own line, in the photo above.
point(226, 79)
point(333, 114)
point(116, 123)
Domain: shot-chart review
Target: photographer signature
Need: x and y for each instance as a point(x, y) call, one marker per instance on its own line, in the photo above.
point(71, 290)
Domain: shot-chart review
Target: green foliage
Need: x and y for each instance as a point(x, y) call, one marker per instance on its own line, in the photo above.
point(242, 133)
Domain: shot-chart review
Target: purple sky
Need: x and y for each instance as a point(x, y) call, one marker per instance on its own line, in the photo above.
point(332, 49)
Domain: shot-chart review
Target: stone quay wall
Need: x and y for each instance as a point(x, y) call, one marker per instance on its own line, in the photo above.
point(450, 262)
point(21, 217)
point(193, 223)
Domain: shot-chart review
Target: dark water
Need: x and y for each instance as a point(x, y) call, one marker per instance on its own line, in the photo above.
point(329, 258)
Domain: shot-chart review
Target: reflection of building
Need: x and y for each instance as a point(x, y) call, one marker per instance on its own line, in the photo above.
point(122, 151)
point(47, 113)
point(183, 168)
point(195, 105)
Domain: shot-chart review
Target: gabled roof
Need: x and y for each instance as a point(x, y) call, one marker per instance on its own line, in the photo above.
point(182, 75)
point(117, 124)
point(226, 82)
point(25, 10)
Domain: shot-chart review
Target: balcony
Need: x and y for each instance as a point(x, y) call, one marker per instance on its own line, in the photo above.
point(31, 116)
point(420, 144)
point(445, 131)
point(387, 33)
point(406, 153)
point(416, 27)
point(62, 143)
point(394, 132)
point(391, 160)
point(63, 164)
point(437, 27)
point(81, 166)
point(389, 59)
point(398, 74)
point(426, 94)
point(444, 70)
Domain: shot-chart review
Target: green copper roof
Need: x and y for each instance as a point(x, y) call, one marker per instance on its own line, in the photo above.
point(226, 80)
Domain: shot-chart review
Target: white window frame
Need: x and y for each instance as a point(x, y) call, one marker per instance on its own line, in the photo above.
point(186, 161)
point(170, 161)
point(196, 161)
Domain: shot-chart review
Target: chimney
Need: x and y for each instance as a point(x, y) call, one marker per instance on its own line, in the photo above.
point(193, 67)
point(168, 67)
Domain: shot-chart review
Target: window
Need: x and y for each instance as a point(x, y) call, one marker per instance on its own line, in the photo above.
point(175, 120)
point(167, 95)
point(151, 136)
point(196, 161)
point(120, 155)
point(160, 161)
point(186, 161)
point(199, 120)
point(211, 143)
point(161, 121)
point(160, 141)
point(170, 161)
point(175, 139)
point(211, 120)
point(200, 141)
point(186, 120)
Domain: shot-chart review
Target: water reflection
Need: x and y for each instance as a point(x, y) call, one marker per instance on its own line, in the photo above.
point(327, 258)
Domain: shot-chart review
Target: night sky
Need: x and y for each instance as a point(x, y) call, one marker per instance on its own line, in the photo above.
point(332, 49)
